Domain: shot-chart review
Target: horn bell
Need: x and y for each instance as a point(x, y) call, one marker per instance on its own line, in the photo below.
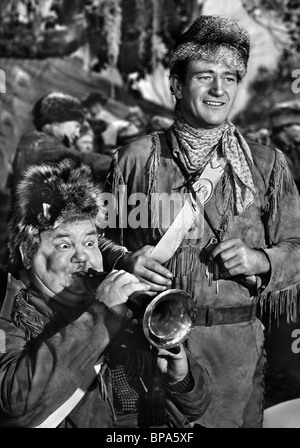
point(169, 319)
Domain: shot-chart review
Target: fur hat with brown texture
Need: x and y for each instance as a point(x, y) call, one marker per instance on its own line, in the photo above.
point(48, 194)
point(213, 37)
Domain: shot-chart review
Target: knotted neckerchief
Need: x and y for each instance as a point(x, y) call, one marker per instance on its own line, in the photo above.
point(198, 146)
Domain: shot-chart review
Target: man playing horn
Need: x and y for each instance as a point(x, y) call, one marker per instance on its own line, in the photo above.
point(69, 360)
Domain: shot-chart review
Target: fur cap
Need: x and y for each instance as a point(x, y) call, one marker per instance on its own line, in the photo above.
point(210, 36)
point(64, 191)
point(57, 107)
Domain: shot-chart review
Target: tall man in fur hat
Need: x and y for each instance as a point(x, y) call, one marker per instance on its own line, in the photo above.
point(245, 248)
point(53, 371)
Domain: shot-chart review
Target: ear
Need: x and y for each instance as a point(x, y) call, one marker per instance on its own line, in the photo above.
point(26, 260)
point(176, 86)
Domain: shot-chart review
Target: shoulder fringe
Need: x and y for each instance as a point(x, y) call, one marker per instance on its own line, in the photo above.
point(279, 302)
point(151, 184)
point(117, 180)
point(26, 317)
point(281, 183)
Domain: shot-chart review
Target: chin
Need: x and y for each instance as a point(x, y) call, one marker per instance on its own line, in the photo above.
point(216, 120)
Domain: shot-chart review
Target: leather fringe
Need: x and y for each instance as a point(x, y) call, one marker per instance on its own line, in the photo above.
point(151, 182)
point(279, 302)
point(281, 184)
point(117, 180)
point(224, 194)
point(26, 317)
point(184, 261)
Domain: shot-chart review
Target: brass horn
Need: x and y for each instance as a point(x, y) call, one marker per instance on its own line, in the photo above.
point(167, 320)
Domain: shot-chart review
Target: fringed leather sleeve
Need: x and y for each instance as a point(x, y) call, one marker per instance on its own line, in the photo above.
point(283, 240)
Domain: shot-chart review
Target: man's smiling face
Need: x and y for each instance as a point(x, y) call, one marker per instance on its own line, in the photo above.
point(207, 93)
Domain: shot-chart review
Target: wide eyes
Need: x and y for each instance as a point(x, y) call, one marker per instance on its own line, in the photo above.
point(66, 246)
point(63, 246)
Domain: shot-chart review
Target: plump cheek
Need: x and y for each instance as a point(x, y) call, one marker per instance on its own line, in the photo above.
point(48, 275)
point(58, 264)
point(96, 261)
point(52, 266)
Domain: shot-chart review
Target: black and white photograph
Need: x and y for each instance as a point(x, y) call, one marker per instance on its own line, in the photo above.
point(150, 217)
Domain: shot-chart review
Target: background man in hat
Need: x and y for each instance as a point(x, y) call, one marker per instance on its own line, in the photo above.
point(285, 132)
point(237, 254)
point(58, 119)
point(53, 371)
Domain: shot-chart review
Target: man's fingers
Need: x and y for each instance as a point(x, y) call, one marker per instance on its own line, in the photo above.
point(221, 247)
point(157, 268)
point(226, 256)
point(232, 272)
point(113, 275)
point(174, 353)
point(153, 286)
point(130, 288)
point(118, 279)
point(229, 263)
point(154, 278)
point(154, 273)
point(125, 277)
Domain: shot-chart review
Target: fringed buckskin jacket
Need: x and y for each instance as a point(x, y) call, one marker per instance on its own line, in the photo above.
point(233, 353)
point(47, 355)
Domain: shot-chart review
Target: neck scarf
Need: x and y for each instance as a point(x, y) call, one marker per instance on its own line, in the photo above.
point(199, 145)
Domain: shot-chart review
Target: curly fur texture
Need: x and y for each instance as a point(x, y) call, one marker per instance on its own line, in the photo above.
point(209, 38)
point(64, 191)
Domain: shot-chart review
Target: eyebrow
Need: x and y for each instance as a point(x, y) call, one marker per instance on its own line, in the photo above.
point(63, 234)
point(199, 72)
point(230, 73)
